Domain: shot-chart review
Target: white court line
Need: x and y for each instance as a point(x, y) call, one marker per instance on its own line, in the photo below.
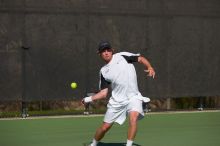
point(52, 117)
point(99, 115)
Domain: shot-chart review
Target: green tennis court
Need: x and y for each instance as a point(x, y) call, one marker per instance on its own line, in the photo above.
point(167, 129)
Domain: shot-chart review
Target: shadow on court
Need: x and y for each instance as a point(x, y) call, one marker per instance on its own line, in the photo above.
point(115, 144)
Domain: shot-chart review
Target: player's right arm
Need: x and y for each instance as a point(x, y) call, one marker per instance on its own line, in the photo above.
point(101, 94)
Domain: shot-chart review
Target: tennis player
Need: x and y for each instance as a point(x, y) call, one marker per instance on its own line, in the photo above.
point(120, 74)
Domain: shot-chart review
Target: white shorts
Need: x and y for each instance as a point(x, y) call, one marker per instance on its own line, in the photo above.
point(119, 114)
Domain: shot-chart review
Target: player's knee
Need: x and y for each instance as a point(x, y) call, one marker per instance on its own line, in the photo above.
point(133, 118)
point(105, 128)
point(133, 121)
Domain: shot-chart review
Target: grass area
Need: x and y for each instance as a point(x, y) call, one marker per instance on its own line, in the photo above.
point(185, 129)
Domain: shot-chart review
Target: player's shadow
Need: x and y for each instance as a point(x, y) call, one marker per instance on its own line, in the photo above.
point(115, 144)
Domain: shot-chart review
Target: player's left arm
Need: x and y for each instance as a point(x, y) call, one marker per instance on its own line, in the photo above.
point(146, 63)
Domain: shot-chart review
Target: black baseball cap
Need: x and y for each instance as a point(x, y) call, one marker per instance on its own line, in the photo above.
point(103, 45)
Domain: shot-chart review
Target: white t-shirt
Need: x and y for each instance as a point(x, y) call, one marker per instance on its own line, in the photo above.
point(121, 74)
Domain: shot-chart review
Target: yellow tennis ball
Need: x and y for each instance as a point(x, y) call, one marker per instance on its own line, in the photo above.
point(74, 85)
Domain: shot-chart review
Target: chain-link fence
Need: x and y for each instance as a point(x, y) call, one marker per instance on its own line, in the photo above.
point(45, 45)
